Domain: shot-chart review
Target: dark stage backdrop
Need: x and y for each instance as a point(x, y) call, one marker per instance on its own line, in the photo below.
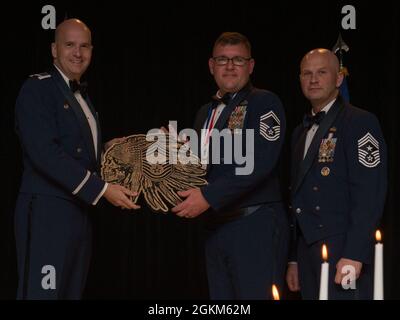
point(150, 66)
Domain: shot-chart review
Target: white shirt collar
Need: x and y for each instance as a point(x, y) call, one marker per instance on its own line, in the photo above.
point(218, 95)
point(326, 108)
point(63, 75)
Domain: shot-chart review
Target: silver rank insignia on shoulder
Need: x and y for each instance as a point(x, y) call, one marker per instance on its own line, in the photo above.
point(270, 126)
point(368, 151)
point(41, 76)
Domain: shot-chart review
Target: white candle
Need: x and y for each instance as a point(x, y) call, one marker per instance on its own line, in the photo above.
point(323, 288)
point(378, 268)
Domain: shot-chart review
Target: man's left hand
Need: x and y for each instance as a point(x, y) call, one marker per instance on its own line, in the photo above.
point(357, 265)
point(192, 206)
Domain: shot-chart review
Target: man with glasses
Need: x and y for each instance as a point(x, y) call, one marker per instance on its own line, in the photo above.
point(247, 227)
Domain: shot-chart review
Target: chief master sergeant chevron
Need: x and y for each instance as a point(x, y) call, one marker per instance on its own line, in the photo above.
point(338, 188)
point(60, 138)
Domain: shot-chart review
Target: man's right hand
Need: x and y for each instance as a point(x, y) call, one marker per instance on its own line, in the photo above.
point(118, 196)
point(292, 277)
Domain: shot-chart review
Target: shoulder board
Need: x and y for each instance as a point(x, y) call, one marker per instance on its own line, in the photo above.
point(41, 76)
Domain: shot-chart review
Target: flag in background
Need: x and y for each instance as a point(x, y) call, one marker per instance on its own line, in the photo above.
point(339, 48)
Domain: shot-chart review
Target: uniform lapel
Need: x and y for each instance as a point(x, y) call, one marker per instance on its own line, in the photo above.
point(74, 104)
point(226, 113)
point(323, 128)
point(298, 154)
point(99, 137)
point(201, 118)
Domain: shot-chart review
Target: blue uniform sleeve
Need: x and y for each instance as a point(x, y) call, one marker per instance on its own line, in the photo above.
point(266, 119)
point(367, 174)
point(292, 219)
point(36, 126)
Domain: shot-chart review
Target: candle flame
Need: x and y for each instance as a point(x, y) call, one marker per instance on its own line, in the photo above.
point(378, 236)
point(324, 253)
point(275, 292)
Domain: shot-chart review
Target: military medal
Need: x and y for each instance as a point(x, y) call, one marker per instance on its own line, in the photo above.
point(236, 119)
point(325, 171)
point(327, 148)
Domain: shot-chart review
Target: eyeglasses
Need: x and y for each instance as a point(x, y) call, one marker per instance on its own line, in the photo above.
point(237, 61)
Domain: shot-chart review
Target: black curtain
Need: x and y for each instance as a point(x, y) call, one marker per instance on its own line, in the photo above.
point(150, 66)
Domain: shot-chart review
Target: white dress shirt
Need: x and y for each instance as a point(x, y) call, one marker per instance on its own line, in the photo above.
point(93, 128)
point(88, 114)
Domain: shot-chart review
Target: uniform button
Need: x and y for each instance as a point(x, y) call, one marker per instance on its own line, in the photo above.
point(298, 210)
point(315, 188)
point(79, 150)
point(95, 173)
point(290, 188)
point(321, 226)
point(317, 208)
point(290, 207)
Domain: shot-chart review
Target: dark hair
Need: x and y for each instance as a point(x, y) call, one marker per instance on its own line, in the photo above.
point(232, 38)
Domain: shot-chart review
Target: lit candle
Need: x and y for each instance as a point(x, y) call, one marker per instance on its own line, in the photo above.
point(323, 288)
point(275, 292)
point(378, 269)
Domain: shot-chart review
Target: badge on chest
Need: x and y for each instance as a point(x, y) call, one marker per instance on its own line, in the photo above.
point(327, 148)
point(236, 119)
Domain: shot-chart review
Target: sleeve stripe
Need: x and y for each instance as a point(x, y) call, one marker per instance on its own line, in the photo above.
point(100, 194)
point(78, 188)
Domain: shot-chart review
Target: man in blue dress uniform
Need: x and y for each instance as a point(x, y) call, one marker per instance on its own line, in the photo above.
point(61, 142)
point(338, 188)
point(247, 242)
